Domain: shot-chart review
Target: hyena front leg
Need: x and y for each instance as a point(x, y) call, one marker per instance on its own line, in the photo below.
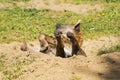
point(76, 49)
point(60, 47)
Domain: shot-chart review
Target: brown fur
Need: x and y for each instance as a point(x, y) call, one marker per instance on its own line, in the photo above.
point(47, 43)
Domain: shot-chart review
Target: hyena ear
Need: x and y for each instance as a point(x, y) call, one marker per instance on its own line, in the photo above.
point(77, 26)
point(58, 25)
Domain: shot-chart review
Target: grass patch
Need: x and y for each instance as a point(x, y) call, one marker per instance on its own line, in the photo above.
point(76, 78)
point(2, 56)
point(46, 2)
point(19, 24)
point(110, 50)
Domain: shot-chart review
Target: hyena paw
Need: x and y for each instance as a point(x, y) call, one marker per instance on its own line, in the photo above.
point(70, 35)
point(58, 34)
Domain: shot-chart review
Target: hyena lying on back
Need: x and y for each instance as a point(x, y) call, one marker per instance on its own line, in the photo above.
point(67, 42)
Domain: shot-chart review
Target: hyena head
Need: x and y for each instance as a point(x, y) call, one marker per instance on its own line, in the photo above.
point(63, 39)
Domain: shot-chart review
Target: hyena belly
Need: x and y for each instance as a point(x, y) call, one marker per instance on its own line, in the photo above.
point(69, 40)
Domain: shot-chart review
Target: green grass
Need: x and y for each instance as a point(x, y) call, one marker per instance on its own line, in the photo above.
point(2, 56)
point(76, 78)
point(104, 23)
point(46, 2)
point(19, 24)
point(110, 50)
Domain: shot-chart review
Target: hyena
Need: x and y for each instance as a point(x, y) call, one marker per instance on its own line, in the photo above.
point(69, 40)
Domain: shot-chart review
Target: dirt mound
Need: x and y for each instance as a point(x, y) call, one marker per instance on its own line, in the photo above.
point(21, 65)
point(77, 67)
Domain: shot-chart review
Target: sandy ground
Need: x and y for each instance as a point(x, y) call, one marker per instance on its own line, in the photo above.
point(46, 67)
